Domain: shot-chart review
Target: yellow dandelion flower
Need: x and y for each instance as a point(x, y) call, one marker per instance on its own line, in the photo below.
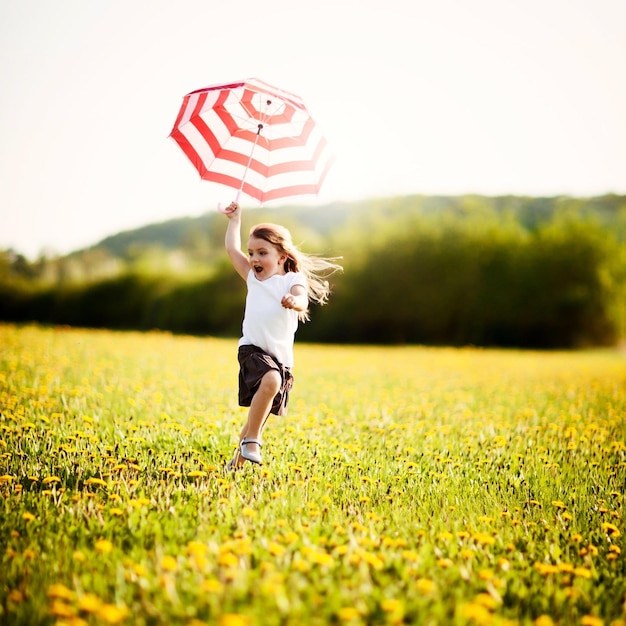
point(582, 572)
point(89, 603)
point(197, 474)
point(248, 512)
point(49, 480)
point(300, 565)
point(275, 549)
point(486, 574)
point(211, 585)
point(591, 620)
point(78, 556)
point(104, 546)
point(58, 608)
point(486, 600)
point(139, 569)
point(6, 478)
point(57, 590)
point(348, 614)
point(291, 537)
point(169, 563)
point(445, 563)
point(233, 619)
point(611, 529)
point(29, 517)
point(476, 613)
point(139, 502)
point(393, 606)
point(373, 560)
point(543, 620)
point(410, 555)
point(196, 548)
point(484, 539)
point(96, 481)
point(546, 568)
point(228, 559)
point(112, 613)
point(446, 536)
point(425, 586)
point(321, 558)
point(557, 504)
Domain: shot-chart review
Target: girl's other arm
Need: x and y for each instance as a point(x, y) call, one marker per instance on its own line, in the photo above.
point(297, 299)
point(232, 241)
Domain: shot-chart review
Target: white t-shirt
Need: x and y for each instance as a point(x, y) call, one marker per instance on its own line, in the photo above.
point(266, 323)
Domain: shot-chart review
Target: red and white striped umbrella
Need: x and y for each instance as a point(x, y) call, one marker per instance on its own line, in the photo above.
point(253, 137)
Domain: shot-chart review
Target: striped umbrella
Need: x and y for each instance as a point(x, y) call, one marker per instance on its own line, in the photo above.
point(253, 137)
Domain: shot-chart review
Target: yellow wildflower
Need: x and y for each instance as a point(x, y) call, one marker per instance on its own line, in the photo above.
point(425, 585)
point(104, 546)
point(591, 620)
point(58, 608)
point(611, 529)
point(211, 585)
point(96, 481)
point(233, 619)
point(197, 474)
point(89, 603)
point(169, 563)
point(348, 613)
point(112, 614)
point(57, 590)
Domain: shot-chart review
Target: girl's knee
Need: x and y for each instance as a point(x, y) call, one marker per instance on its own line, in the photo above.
point(271, 382)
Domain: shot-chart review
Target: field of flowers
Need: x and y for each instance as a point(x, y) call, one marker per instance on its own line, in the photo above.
point(407, 485)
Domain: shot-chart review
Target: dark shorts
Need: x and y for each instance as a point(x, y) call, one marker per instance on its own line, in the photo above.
point(254, 363)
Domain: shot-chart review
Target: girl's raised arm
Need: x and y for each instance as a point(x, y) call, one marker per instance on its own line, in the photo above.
point(233, 241)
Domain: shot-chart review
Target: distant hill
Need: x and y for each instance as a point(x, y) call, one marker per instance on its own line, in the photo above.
point(509, 271)
point(193, 245)
point(328, 219)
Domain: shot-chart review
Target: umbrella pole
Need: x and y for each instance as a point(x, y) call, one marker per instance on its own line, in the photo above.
point(243, 178)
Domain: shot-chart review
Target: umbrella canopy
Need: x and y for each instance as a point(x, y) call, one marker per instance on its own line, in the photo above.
point(253, 137)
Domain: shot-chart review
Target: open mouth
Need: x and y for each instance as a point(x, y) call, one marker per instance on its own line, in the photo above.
point(257, 268)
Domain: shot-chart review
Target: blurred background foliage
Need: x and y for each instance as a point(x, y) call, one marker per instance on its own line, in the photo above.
point(489, 271)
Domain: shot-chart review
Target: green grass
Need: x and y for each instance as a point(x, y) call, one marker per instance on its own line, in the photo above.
point(406, 485)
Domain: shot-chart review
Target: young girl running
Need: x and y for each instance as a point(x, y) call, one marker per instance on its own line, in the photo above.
point(281, 280)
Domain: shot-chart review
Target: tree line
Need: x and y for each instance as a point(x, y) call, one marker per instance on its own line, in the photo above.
point(470, 272)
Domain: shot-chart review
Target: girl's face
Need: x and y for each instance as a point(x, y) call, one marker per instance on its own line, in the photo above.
point(265, 260)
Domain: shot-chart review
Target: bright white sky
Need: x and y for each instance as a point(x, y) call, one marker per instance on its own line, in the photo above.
point(414, 96)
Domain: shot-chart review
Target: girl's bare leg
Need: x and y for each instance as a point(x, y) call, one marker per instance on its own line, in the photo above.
point(259, 411)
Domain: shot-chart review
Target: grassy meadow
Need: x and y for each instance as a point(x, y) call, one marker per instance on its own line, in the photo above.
point(407, 485)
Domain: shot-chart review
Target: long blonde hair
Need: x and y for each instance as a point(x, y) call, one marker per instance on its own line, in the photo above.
point(314, 268)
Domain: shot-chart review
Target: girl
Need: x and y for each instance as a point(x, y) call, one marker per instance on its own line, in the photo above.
point(281, 280)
